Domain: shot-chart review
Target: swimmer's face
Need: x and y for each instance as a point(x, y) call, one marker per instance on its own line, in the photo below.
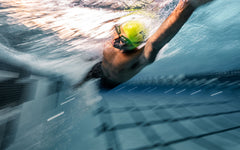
point(121, 41)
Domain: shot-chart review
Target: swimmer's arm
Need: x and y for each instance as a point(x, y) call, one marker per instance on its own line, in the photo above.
point(170, 27)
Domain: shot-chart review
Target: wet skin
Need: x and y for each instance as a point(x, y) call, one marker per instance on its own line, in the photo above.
point(119, 66)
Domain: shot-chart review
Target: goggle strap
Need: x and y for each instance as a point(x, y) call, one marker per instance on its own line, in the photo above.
point(118, 29)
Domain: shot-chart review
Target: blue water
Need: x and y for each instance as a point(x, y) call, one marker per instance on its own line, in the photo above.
point(208, 42)
point(66, 38)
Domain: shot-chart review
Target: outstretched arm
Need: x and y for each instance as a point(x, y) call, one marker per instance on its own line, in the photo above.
point(170, 27)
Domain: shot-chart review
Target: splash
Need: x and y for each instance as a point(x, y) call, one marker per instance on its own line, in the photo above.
point(67, 35)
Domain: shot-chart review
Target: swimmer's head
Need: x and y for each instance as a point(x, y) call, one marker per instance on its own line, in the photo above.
point(131, 33)
point(135, 31)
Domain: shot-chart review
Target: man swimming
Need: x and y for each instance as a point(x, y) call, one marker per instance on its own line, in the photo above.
point(122, 59)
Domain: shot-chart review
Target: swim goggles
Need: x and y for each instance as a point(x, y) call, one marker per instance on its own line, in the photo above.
point(126, 43)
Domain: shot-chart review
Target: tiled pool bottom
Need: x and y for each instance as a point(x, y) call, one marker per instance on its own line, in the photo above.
point(198, 113)
point(169, 118)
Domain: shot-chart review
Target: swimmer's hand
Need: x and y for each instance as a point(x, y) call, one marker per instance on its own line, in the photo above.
point(197, 3)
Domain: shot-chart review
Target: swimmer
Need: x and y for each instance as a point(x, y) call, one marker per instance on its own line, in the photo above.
point(122, 59)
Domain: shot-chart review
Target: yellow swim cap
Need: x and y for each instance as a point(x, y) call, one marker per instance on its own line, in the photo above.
point(135, 32)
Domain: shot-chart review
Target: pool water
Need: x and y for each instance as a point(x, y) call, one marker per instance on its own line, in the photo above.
point(59, 41)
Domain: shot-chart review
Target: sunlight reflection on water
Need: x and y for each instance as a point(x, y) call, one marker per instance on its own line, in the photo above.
point(70, 34)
